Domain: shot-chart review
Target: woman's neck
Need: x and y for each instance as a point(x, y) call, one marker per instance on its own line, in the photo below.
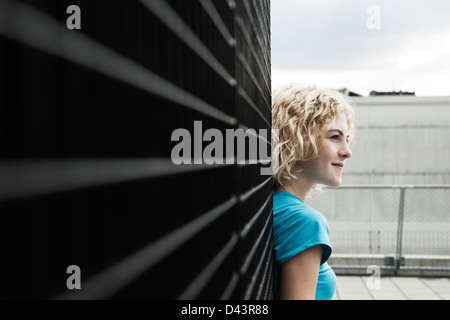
point(300, 190)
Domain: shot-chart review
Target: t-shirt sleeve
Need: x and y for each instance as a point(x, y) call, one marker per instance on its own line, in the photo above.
point(300, 232)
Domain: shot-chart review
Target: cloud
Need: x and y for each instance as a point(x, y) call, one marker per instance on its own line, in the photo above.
point(330, 39)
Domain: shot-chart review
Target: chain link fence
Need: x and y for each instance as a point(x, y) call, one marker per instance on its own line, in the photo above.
point(402, 228)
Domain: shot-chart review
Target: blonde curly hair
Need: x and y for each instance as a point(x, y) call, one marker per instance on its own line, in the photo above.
point(301, 115)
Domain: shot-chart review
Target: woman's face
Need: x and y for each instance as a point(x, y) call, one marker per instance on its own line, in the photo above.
point(327, 167)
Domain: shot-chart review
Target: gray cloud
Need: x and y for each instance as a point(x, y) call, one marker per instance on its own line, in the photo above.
point(334, 35)
point(327, 40)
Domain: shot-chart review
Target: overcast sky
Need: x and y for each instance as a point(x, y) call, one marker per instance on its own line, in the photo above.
point(328, 43)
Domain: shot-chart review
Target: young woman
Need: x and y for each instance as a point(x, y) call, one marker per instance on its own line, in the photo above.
point(315, 133)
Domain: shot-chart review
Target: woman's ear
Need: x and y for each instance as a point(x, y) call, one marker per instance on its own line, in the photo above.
point(298, 166)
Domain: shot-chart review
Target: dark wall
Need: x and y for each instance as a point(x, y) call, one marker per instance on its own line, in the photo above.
point(86, 175)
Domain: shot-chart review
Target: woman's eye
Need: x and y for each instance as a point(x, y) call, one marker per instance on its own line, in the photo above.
point(335, 137)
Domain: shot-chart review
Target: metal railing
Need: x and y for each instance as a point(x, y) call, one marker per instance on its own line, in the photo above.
point(399, 227)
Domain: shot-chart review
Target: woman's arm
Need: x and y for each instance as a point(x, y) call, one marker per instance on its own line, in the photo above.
point(298, 277)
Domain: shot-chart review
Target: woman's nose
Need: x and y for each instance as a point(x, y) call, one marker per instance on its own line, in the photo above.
point(346, 151)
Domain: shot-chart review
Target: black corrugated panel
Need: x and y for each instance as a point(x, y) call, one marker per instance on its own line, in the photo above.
point(86, 174)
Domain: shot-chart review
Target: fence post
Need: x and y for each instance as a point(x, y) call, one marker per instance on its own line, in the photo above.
point(401, 209)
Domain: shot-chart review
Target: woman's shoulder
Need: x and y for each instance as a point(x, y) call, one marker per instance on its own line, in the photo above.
point(296, 227)
point(286, 206)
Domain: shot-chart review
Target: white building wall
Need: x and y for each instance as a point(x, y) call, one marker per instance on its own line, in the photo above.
point(400, 140)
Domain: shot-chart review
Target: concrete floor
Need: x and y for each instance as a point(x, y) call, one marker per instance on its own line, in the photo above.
point(392, 288)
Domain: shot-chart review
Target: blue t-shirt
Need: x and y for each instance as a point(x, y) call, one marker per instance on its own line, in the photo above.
point(297, 227)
